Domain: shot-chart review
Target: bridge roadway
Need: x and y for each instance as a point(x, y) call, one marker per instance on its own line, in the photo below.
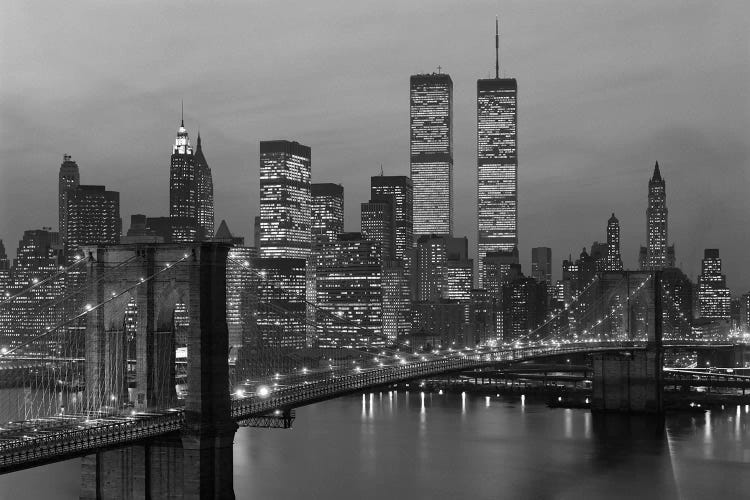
point(36, 442)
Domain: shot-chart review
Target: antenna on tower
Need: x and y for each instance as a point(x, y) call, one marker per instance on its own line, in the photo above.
point(497, 48)
point(381, 170)
point(182, 113)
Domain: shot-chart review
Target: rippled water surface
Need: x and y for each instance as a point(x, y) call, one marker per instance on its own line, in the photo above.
point(431, 446)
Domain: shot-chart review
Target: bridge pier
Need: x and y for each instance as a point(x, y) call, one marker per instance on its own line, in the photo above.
point(632, 382)
point(195, 463)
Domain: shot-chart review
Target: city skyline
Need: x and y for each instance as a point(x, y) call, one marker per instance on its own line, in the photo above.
point(552, 202)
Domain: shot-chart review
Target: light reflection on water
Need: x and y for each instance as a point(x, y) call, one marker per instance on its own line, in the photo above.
point(458, 446)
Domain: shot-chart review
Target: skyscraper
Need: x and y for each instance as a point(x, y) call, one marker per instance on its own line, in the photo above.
point(204, 194)
point(280, 300)
point(613, 260)
point(327, 206)
point(38, 257)
point(182, 189)
point(713, 295)
point(431, 150)
point(541, 264)
point(69, 178)
point(397, 190)
point(497, 163)
point(349, 286)
point(285, 213)
point(93, 218)
point(378, 226)
point(657, 254)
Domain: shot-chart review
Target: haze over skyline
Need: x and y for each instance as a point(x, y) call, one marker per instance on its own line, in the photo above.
point(605, 89)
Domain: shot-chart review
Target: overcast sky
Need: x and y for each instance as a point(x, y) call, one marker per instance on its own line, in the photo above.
point(605, 89)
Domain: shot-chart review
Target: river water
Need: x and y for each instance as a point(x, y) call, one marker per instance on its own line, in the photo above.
point(452, 446)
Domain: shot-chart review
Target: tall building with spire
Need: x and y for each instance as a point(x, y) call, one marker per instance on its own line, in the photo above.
point(182, 189)
point(191, 191)
point(431, 152)
point(68, 178)
point(657, 254)
point(204, 192)
point(613, 260)
point(497, 163)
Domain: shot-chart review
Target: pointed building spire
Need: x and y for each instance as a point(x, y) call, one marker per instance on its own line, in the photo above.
point(497, 48)
point(657, 173)
point(198, 141)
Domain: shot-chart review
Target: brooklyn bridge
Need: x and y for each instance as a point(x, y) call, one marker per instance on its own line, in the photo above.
point(136, 378)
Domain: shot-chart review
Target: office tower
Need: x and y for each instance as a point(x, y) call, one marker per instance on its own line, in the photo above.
point(5, 283)
point(713, 295)
point(285, 199)
point(745, 313)
point(378, 226)
point(657, 253)
point(240, 288)
point(431, 152)
point(500, 268)
point(396, 300)
point(280, 318)
point(327, 207)
point(497, 164)
point(182, 189)
point(442, 261)
point(482, 314)
point(541, 264)
point(256, 231)
point(613, 260)
point(39, 256)
point(349, 287)
point(524, 309)
point(69, 178)
point(439, 324)
point(397, 189)
point(393, 194)
point(204, 194)
point(93, 218)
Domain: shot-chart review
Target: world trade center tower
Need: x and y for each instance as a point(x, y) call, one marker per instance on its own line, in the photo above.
point(431, 149)
point(497, 164)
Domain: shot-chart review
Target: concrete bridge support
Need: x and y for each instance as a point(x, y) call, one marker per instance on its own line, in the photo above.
point(195, 463)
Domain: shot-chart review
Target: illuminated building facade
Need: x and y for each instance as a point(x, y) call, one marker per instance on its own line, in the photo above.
point(500, 268)
point(92, 218)
point(327, 206)
point(657, 253)
point(396, 300)
point(442, 265)
point(497, 167)
point(613, 260)
point(431, 152)
point(349, 288)
point(38, 256)
point(285, 215)
point(204, 194)
point(377, 225)
point(678, 296)
point(745, 313)
point(182, 189)
point(279, 293)
point(713, 295)
point(397, 190)
point(69, 178)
